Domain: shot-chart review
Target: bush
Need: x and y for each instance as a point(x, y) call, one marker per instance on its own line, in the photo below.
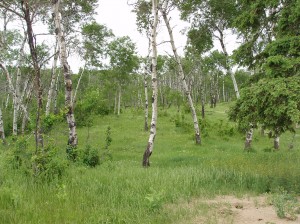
point(72, 153)
point(46, 165)
point(91, 156)
point(49, 120)
point(92, 103)
point(42, 165)
point(286, 205)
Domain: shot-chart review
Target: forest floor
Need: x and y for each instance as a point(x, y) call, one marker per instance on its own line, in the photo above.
point(233, 210)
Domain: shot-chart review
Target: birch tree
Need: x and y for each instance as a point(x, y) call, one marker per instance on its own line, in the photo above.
point(73, 141)
point(53, 80)
point(150, 145)
point(2, 134)
point(144, 22)
point(210, 20)
point(269, 30)
point(123, 61)
point(164, 11)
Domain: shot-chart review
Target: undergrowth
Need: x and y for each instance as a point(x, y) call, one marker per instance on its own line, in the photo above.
point(116, 189)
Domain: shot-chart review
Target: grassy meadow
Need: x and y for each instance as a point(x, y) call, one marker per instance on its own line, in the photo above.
point(120, 190)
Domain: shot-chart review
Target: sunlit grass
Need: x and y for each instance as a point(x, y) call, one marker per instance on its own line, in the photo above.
point(121, 191)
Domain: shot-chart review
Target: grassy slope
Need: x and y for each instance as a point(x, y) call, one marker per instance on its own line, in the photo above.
point(121, 191)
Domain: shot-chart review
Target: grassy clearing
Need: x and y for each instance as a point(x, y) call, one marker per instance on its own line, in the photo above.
point(121, 191)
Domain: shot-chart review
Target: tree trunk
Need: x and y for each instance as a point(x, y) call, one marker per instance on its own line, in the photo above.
point(146, 100)
point(27, 99)
point(119, 100)
point(18, 80)
point(182, 76)
point(223, 88)
point(53, 80)
point(276, 142)
point(149, 148)
point(11, 87)
point(2, 134)
point(116, 102)
point(235, 86)
point(73, 141)
point(56, 93)
point(249, 137)
point(77, 87)
point(32, 46)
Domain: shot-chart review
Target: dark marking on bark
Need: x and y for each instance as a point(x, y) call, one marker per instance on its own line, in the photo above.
point(56, 29)
point(66, 67)
point(147, 154)
point(153, 99)
point(54, 1)
point(198, 139)
point(69, 85)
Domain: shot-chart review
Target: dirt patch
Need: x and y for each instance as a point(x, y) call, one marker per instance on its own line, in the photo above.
point(247, 210)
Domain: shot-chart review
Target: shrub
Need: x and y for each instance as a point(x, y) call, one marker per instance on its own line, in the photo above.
point(92, 103)
point(91, 156)
point(286, 205)
point(49, 120)
point(72, 153)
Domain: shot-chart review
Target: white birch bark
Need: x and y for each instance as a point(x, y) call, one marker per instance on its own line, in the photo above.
point(17, 89)
point(56, 93)
point(149, 148)
point(26, 98)
point(146, 99)
point(276, 140)
point(119, 100)
point(53, 80)
point(181, 74)
point(249, 137)
point(67, 76)
point(2, 134)
point(77, 87)
point(116, 102)
point(229, 71)
point(12, 89)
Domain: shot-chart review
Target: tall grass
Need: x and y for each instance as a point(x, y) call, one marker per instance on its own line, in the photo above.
point(121, 191)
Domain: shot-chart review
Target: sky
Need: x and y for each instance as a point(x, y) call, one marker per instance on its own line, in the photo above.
point(117, 15)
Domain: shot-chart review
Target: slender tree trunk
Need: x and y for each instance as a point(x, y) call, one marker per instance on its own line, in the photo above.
point(77, 86)
point(183, 78)
point(149, 148)
point(27, 99)
point(53, 80)
point(119, 100)
point(276, 141)
point(223, 88)
point(116, 102)
point(249, 137)
point(56, 93)
point(18, 80)
point(7, 100)
point(2, 134)
point(235, 86)
point(73, 141)
point(11, 87)
point(202, 102)
point(32, 45)
point(146, 100)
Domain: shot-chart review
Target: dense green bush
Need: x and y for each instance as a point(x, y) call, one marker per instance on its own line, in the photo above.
point(91, 156)
point(43, 165)
point(92, 103)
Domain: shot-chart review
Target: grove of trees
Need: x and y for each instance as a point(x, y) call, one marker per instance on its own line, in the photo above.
point(261, 77)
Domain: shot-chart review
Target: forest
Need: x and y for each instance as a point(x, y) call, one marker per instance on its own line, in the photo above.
point(207, 135)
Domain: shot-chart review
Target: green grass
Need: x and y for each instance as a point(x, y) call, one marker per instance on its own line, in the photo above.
point(121, 191)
